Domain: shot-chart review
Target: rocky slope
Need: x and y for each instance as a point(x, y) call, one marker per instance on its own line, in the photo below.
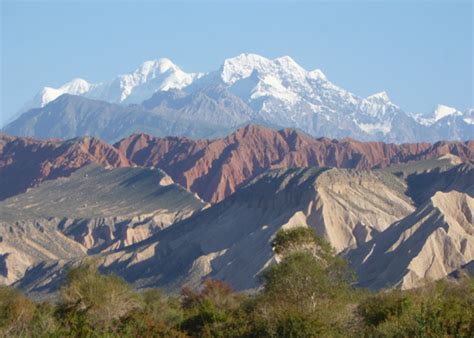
point(423, 185)
point(215, 168)
point(24, 244)
point(93, 210)
point(216, 107)
point(231, 240)
point(69, 116)
point(366, 215)
point(431, 243)
point(211, 168)
point(26, 162)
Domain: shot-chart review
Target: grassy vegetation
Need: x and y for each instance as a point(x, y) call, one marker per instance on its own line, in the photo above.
point(308, 294)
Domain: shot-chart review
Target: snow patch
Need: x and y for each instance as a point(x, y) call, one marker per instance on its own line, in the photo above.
point(438, 114)
point(316, 74)
point(443, 111)
point(272, 86)
point(372, 128)
point(379, 97)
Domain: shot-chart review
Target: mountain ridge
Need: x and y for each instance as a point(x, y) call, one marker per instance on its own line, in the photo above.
point(211, 168)
point(26, 162)
point(214, 168)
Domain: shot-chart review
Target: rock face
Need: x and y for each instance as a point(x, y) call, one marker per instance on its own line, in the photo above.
point(231, 240)
point(94, 210)
point(211, 168)
point(214, 169)
point(216, 107)
point(24, 244)
point(26, 162)
point(70, 116)
point(424, 185)
point(431, 243)
point(398, 206)
point(366, 215)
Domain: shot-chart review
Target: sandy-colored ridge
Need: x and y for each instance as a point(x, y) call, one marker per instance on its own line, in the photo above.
point(429, 244)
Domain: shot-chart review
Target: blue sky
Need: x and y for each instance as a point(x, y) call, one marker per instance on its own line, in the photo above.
point(420, 53)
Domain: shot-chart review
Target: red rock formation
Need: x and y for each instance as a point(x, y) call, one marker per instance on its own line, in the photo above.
point(25, 162)
point(213, 169)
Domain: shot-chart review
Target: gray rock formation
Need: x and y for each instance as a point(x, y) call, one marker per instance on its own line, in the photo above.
point(93, 210)
point(231, 240)
point(368, 216)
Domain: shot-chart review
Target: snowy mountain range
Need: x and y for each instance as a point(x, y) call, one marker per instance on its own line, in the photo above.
point(246, 88)
point(135, 87)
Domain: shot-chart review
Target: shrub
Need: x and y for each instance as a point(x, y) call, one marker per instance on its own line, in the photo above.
point(16, 312)
point(210, 310)
point(296, 325)
point(441, 309)
point(382, 306)
point(91, 299)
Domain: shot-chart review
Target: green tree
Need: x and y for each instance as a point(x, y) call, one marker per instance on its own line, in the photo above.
point(308, 290)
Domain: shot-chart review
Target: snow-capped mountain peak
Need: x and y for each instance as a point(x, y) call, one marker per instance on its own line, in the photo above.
point(149, 77)
point(381, 97)
point(154, 68)
point(242, 66)
point(76, 85)
point(442, 111)
point(134, 87)
point(316, 74)
point(287, 63)
point(47, 94)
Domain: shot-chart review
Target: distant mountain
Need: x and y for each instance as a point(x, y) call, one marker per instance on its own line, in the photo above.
point(442, 112)
point(69, 116)
point(148, 78)
point(247, 88)
point(214, 169)
point(214, 106)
